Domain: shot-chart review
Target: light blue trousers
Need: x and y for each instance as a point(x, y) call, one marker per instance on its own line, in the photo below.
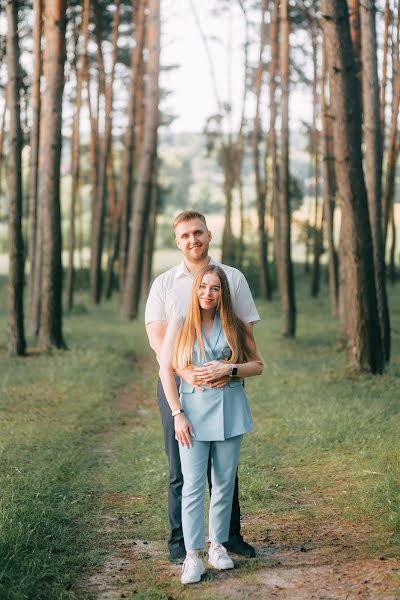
point(194, 462)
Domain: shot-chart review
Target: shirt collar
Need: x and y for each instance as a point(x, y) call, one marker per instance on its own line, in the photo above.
point(183, 271)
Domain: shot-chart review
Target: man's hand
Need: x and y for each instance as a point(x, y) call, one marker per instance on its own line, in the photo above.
point(189, 375)
point(214, 373)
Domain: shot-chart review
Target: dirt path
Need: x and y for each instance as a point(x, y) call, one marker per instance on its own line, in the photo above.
point(294, 560)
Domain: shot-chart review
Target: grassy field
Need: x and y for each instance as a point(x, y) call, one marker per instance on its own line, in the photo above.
point(81, 447)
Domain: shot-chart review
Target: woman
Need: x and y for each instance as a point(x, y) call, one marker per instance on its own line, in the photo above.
point(210, 419)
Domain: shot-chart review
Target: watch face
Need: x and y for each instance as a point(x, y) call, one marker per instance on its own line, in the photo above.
point(234, 371)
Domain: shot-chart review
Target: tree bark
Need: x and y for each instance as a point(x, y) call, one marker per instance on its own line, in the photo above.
point(16, 334)
point(317, 237)
point(392, 154)
point(363, 328)
point(150, 234)
point(260, 183)
point(50, 329)
point(2, 131)
point(80, 74)
point(392, 257)
point(272, 181)
point(227, 161)
point(100, 198)
point(329, 189)
point(283, 225)
point(128, 163)
point(373, 161)
point(33, 236)
point(140, 209)
point(384, 70)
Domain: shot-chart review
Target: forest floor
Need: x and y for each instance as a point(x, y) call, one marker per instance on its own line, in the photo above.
point(296, 558)
point(83, 471)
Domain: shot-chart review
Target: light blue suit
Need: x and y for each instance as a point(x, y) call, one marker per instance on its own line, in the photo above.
point(219, 417)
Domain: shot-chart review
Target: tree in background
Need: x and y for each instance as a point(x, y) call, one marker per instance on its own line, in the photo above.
point(282, 212)
point(260, 173)
point(363, 329)
point(16, 335)
point(50, 327)
point(141, 197)
point(80, 73)
point(97, 239)
point(34, 244)
point(373, 161)
point(130, 150)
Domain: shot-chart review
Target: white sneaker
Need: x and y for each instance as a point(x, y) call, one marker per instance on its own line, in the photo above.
point(219, 558)
point(192, 569)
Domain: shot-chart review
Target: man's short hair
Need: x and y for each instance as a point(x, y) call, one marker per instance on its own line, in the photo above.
point(188, 215)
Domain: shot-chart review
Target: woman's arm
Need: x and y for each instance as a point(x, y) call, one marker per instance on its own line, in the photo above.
point(183, 427)
point(216, 369)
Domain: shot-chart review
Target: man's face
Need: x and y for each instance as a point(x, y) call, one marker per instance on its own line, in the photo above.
point(193, 238)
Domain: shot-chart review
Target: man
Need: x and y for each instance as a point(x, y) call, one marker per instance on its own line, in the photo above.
point(169, 295)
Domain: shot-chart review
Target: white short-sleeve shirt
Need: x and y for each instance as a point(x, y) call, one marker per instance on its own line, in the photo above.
point(170, 294)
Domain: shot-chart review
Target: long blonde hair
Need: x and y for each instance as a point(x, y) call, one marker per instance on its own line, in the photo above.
point(233, 327)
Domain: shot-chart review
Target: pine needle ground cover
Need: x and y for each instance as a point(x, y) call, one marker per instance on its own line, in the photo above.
point(84, 476)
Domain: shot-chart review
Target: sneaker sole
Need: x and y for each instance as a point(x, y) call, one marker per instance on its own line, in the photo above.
point(221, 568)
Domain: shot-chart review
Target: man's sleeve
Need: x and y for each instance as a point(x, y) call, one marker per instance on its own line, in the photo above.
point(155, 305)
point(244, 304)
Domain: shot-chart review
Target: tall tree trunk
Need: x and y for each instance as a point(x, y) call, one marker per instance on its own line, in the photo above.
point(16, 335)
point(50, 330)
point(329, 189)
point(99, 205)
point(227, 162)
point(363, 322)
point(355, 33)
point(317, 237)
point(283, 226)
point(140, 210)
point(260, 183)
point(384, 70)
point(392, 257)
point(2, 131)
point(113, 226)
point(127, 164)
point(150, 234)
point(373, 161)
point(392, 154)
point(239, 146)
point(80, 74)
point(33, 222)
point(272, 182)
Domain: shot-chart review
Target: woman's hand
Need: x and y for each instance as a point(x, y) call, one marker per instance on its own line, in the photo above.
point(183, 430)
point(213, 372)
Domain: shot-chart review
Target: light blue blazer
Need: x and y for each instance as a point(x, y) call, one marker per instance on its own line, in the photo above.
point(216, 413)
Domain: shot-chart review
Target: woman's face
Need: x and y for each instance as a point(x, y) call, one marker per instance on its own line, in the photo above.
point(209, 291)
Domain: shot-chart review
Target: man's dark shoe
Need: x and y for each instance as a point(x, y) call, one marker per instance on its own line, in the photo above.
point(239, 546)
point(177, 554)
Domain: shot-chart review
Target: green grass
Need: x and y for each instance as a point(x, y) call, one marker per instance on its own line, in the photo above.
point(325, 447)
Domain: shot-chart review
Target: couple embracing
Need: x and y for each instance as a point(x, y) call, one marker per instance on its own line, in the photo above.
point(199, 319)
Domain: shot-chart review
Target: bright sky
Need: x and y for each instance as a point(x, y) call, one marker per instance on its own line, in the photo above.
point(192, 98)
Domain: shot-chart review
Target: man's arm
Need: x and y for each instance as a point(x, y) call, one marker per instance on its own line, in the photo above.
point(156, 333)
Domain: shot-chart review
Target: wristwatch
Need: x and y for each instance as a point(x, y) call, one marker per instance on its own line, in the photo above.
point(234, 370)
